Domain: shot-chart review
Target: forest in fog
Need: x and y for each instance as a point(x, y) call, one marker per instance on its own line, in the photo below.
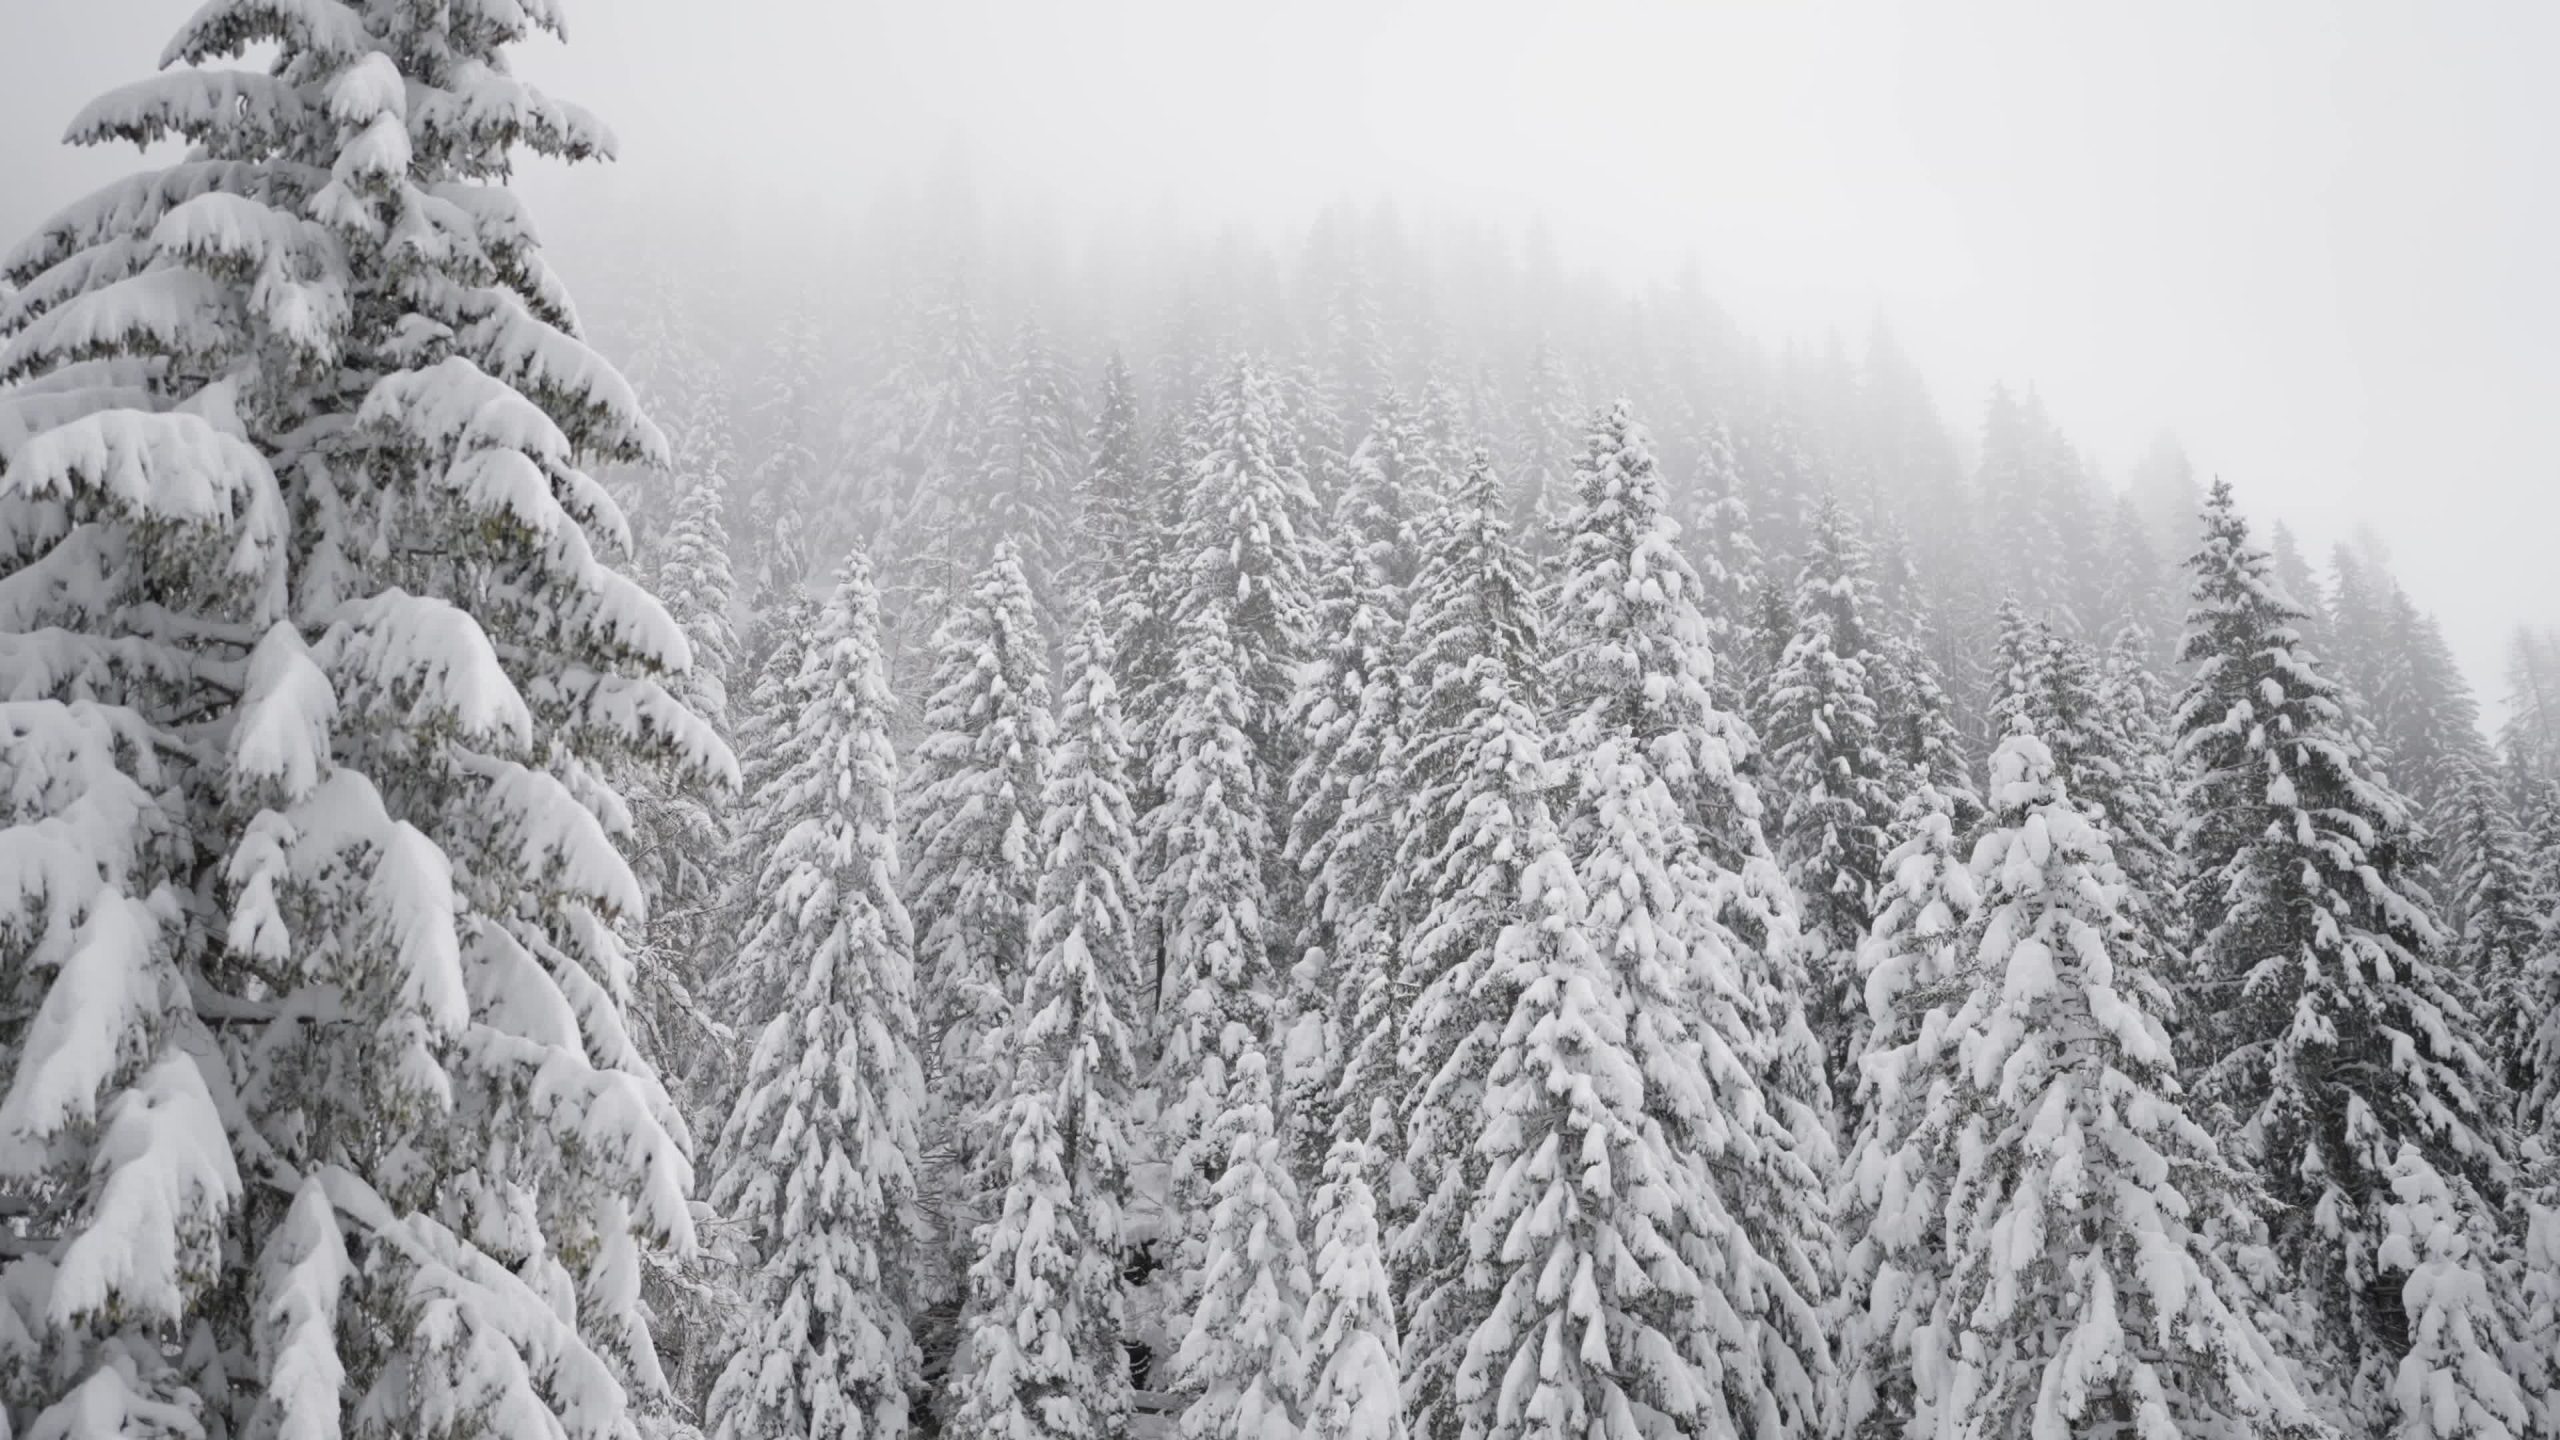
point(1352, 834)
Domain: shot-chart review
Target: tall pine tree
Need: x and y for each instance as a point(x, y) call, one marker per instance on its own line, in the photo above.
point(1889, 1199)
point(820, 1163)
point(318, 669)
point(1665, 839)
point(1043, 1354)
point(1479, 816)
point(972, 837)
point(1828, 766)
point(1033, 465)
point(2327, 1031)
point(2082, 1290)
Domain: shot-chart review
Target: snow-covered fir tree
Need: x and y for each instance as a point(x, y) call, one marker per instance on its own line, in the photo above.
point(1715, 521)
point(778, 540)
point(1246, 513)
point(821, 1161)
point(2082, 1290)
point(1548, 443)
point(972, 828)
point(2488, 867)
point(2134, 706)
point(1033, 465)
point(682, 848)
point(2108, 754)
point(1692, 1002)
point(1122, 530)
point(1828, 766)
point(1888, 1199)
point(2010, 482)
point(325, 1106)
point(1919, 719)
point(1346, 802)
point(1209, 839)
point(2531, 733)
point(1043, 1354)
point(1480, 810)
point(926, 497)
point(1347, 1344)
point(1351, 355)
point(2328, 1036)
point(681, 828)
point(1240, 1355)
point(1568, 1155)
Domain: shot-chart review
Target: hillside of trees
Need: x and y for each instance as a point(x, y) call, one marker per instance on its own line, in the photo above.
point(1344, 839)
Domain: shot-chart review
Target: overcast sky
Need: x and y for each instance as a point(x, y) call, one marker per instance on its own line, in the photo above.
point(2319, 241)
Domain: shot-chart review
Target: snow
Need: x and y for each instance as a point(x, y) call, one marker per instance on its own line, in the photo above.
point(164, 1177)
point(177, 468)
point(426, 659)
point(366, 90)
point(562, 375)
point(479, 101)
point(105, 988)
point(171, 311)
point(253, 111)
point(1543, 1047)
point(221, 29)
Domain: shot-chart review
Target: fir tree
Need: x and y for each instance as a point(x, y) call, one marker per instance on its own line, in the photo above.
point(2017, 669)
point(664, 358)
point(1240, 1356)
point(1245, 509)
point(1446, 434)
point(779, 539)
point(1717, 521)
point(1120, 527)
point(1919, 722)
point(1569, 1157)
point(1307, 432)
point(1827, 761)
point(1344, 806)
point(1548, 443)
point(1687, 921)
point(1208, 840)
point(820, 1161)
point(2054, 1106)
point(2536, 1045)
point(1033, 465)
point(972, 830)
point(2142, 801)
point(1479, 782)
point(2503, 913)
point(935, 459)
point(318, 666)
point(2328, 1032)
point(2295, 580)
point(682, 828)
point(1348, 1341)
point(2137, 590)
point(2103, 755)
point(2532, 730)
point(2011, 483)
point(2163, 484)
point(1353, 355)
point(1889, 1197)
point(682, 848)
point(1043, 1348)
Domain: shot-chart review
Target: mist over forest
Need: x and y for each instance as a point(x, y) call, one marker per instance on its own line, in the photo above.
point(893, 790)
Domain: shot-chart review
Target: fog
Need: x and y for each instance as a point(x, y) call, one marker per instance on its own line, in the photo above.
point(2313, 240)
point(1295, 721)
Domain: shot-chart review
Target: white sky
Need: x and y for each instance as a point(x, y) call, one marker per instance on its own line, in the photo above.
point(2320, 241)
